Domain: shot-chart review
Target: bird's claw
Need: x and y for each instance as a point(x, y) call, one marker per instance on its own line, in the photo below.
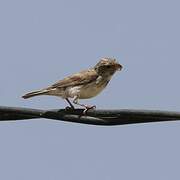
point(69, 108)
point(87, 108)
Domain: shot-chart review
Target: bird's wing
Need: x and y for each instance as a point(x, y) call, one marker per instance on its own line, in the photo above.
point(80, 78)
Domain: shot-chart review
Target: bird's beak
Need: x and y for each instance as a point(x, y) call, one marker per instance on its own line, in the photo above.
point(119, 67)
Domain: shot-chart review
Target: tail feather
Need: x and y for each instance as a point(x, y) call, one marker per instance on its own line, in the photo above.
point(35, 93)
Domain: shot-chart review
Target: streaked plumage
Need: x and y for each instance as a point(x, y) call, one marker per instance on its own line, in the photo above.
point(83, 85)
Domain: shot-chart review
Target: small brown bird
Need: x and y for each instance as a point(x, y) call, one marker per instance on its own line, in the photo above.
point(83, 85)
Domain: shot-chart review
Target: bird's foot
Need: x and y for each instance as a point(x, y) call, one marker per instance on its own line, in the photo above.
point(67, 108)
point(87, 108)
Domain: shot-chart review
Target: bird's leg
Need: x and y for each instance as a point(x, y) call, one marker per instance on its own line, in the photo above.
point(87, 107)
point(69, 102)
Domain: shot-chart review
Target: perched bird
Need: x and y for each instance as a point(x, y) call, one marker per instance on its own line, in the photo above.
point(83, 85)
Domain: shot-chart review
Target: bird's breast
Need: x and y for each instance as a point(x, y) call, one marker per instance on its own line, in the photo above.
point(91, 89)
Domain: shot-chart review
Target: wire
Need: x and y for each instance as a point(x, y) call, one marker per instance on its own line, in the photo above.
point(106, 117)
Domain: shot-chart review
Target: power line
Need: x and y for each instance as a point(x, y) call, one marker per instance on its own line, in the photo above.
point(106, 117)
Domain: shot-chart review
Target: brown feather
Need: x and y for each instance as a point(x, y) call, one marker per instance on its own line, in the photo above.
point(82, 77)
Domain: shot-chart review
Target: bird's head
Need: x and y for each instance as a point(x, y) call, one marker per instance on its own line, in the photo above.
point(107, 66)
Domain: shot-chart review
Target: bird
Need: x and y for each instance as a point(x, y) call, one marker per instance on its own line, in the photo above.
point(82, 85)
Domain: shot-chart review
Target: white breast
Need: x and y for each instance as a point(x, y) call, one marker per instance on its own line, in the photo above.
point(71, 92)
point(88, 90)
point(91, 90)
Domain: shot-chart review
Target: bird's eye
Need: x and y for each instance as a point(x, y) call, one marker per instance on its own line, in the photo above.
point(108, 66)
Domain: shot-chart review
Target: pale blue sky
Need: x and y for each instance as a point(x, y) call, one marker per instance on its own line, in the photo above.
point(43, 41)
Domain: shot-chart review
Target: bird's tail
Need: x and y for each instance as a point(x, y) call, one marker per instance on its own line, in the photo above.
point(35, 93)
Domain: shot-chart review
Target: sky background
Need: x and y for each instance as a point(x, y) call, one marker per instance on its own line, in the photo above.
point(42, 41)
